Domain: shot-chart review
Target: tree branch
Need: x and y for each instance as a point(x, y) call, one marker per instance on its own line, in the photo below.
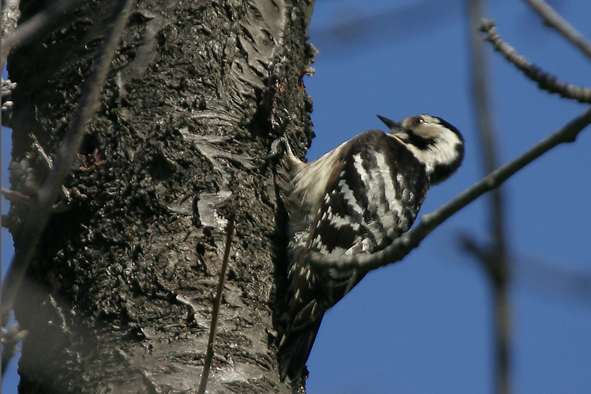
point(494, 259)
point(553, 19)
point(410, 240)
point(545, 81)
point(30, 233)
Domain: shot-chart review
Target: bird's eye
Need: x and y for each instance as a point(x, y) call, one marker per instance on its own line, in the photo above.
point(417, 120)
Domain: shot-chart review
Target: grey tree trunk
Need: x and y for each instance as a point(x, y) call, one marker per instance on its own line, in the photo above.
point(119, 295)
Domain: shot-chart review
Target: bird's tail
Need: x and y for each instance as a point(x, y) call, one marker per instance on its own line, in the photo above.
point(294, 351)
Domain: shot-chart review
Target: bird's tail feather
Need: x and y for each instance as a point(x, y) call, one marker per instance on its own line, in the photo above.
point(294, 351)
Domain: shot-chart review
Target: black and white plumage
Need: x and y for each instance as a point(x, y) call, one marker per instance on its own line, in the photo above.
point(357, 198)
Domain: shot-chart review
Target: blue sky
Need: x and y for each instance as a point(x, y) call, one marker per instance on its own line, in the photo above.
point(424, 325)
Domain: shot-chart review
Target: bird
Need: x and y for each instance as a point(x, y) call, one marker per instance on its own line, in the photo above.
point(357, 198)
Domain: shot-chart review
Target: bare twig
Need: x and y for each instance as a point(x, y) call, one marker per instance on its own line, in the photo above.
point(545, 81)
point(26, 242)
point(43, 22)
point(553, 19)
point(494, 259)
point(216, 308)
point(410, 240)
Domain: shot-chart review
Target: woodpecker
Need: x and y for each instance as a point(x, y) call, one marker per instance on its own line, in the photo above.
point(357, 198)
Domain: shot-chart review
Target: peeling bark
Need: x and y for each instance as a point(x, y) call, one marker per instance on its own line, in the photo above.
point(119, 296)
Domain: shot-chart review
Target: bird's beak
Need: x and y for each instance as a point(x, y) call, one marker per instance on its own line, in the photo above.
point(396, 128)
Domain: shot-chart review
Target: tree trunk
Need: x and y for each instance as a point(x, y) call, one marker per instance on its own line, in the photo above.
point(119, 295)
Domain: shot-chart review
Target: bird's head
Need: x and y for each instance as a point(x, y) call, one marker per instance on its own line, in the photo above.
point(433, 141)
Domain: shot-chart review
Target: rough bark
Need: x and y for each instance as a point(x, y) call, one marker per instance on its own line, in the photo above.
point(118, 297)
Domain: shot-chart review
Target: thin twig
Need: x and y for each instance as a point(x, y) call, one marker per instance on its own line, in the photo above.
point(43, 22)
point(410, 240)
point(216, 307)
point(494, 259)
point(545, 81)
point(553, 19)
point(26, 242)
